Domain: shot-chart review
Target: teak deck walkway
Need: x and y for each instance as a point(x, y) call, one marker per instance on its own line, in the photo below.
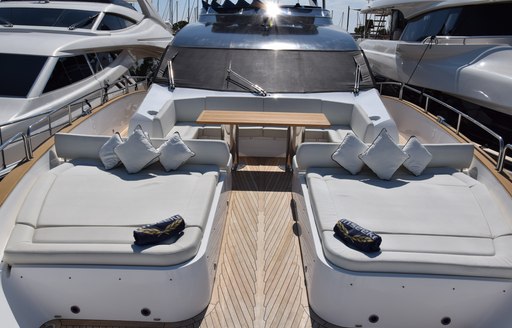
point(259, 281)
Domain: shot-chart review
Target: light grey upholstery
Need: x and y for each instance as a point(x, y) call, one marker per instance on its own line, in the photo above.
point(73, 146)
point(80, 213)
point(458, 156)
point(441, 222)
point(181, 114)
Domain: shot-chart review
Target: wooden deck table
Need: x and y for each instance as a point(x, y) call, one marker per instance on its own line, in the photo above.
point(292, 120)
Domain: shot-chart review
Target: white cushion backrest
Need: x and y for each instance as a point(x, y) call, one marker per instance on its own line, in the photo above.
point(292, 105)
point(74, 146)
point(360, 123)
point(318, 154)
point(71, 146)
point(234, 103)
point(164, 120)
point(337, 113)
point(188, 110)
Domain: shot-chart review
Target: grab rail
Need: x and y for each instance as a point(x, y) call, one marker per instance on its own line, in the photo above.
point(26, 147)
point(460, 115)
point(66, 110)
point(502, 161)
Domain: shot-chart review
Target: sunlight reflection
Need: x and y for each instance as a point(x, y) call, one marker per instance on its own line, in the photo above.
point(272, 9)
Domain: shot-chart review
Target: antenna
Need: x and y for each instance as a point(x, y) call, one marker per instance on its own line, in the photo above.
point(429, 45)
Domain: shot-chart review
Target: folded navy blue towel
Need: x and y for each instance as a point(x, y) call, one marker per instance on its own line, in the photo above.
point(160, 231)
point(357, 237)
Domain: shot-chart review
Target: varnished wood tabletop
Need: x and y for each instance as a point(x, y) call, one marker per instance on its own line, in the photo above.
point(263, 118)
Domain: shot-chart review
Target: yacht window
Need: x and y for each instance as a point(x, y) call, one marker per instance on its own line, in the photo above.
point(95, 62)
point(68, 70)
point(474, 20)
point(113, 22)
point(275, 71)
point(481, 20)
point(46, 16)
point(19, 73)
point(426, 25)
point(106, 58)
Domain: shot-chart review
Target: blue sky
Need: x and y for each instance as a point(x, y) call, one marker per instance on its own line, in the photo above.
point(338, 7)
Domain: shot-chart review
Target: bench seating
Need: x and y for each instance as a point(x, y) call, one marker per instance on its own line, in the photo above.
point(79, 213)
point(180, 115)
point(442, 222)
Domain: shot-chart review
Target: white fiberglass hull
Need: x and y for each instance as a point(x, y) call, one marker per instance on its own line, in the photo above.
point(477, 72)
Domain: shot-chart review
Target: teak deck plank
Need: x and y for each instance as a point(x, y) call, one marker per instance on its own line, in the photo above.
point(259, 281)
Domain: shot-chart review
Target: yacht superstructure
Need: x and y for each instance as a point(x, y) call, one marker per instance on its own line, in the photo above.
point(61, 51)
point(460, 48)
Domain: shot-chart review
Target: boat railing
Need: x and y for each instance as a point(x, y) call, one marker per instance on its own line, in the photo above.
point(501, 163)
point(460, 115)
point(54, 120)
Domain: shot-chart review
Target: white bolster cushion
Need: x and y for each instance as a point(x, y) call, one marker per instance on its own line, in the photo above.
point(454, 155)
point(80, 146)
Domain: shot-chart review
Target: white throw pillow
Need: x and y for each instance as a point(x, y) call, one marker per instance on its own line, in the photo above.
point(107, 155)
point(347, 153)
point(174, 152)
point(383, 156)
point(419, 156)
point(136, 152)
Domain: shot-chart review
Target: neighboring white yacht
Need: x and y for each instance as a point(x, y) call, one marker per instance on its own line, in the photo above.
point(56, 52)
point(68, 216)
point(461, 48)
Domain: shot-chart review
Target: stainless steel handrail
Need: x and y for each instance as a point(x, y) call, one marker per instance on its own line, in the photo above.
point(460, 116)
point(47, 116)
point(501, 163)
point(13, 139)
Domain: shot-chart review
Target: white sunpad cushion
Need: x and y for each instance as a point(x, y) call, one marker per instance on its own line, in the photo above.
point(107, 155)
point(136, 152)
point(383, 156)
point(174, 152)
point(419, 156)
point(347, 153)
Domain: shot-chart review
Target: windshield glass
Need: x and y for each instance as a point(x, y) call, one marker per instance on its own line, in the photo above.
point(475, 20)
point(283, 71)
point(19, 73)
point(46, 16)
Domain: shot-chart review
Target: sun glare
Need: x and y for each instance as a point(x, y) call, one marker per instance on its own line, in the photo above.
point(272, 9)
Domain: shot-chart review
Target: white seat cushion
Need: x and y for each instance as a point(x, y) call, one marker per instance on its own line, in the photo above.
point(136, 152)
point(174, 152)
point(107, 155)
point(419, 156)
point(347, 154)
point(383, 156)
point(105, 209)
point(442, 222)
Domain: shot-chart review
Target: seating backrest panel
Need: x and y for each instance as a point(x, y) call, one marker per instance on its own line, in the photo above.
point(234, 103)
point(78, 146)
point(337, 113)
point(318, 154)
point(188, 110)
point(292, 105)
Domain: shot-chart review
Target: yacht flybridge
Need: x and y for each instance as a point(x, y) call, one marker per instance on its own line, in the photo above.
point(58, 52)
point(260, 138)
point(461, 48)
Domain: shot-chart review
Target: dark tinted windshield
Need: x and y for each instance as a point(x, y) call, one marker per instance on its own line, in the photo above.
point(113, 22)
point(68, 70)
point(19, 73)
point(286, 71)
point(46, 16)
point(475, 20)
